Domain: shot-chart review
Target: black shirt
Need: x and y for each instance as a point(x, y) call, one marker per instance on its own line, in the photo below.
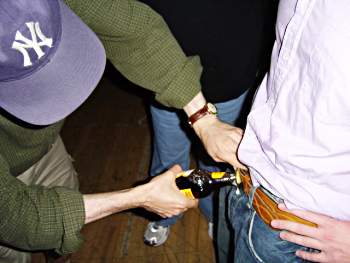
point(232, 37)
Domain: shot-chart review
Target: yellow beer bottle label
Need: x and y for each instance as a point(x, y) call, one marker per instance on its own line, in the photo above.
point(188, 193)
point(217, 175)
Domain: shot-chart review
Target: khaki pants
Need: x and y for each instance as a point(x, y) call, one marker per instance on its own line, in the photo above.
point(54, 169)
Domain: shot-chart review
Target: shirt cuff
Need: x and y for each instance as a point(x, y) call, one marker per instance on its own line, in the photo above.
point(184, 87)
point(73, 219)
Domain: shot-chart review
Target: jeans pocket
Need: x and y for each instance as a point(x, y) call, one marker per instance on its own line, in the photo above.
point(239, 214)
point(266, 245)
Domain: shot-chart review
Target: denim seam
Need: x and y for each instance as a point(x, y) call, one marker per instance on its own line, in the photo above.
point(250, 238)
point(251, 197)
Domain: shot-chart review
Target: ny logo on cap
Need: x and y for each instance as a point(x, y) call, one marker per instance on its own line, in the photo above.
point(33, 43)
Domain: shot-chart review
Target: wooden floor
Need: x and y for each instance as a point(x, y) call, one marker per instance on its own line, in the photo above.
point(109, 138)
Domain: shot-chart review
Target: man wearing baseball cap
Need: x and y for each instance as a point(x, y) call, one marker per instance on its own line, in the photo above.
point(50, 62)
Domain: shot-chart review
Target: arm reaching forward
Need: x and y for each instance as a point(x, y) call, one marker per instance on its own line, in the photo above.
point(160, 195)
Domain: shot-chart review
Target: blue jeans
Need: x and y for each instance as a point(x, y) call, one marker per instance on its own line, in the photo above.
point(254, 241)
point(172, 145)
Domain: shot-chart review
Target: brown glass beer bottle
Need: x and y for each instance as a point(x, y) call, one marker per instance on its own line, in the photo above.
point(200, 183)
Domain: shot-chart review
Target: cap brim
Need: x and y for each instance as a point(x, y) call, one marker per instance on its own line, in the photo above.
point(64, 83)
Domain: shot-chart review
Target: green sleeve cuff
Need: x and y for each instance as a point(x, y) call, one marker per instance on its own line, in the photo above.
point(184, 87)
point(73, 219)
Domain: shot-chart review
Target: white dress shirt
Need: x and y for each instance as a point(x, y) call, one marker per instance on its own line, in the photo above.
point(297, 139)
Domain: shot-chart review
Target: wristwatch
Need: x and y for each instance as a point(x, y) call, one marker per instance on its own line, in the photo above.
point(208, 108)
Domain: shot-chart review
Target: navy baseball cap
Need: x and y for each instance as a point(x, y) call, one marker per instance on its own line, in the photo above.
point(50, 61)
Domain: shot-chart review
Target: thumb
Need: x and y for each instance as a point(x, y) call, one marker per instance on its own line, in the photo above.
point(193, 202)
point(175, 169)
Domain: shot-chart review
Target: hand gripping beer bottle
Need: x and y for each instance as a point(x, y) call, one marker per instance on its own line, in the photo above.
point(199, 183)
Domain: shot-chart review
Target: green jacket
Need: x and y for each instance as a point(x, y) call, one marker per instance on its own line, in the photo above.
point(140, 45)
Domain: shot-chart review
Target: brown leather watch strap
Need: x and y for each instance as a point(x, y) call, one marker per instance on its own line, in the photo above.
point(201, 113)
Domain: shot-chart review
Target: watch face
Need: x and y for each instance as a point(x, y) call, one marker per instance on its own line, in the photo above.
point(211, 108)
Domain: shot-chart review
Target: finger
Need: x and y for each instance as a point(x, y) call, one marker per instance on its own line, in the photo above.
point(296, 228)
point(179, 211)
point(312, 256)
point(175, 169)
point(237, 164)
point(161, 214)
point(175, 213)
point(167, 214)
point(314, 217)
point(221, 158)
point(192, 203)
point(301, 240)
point(218, 159)
point(241, 166)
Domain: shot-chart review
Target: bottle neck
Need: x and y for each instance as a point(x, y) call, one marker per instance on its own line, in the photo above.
point(227, 178)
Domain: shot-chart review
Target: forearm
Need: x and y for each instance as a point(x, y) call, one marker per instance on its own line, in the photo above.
point(192, 107)
point(195, 104)
point(160, 196)
point(220, 139)
point(100, 205)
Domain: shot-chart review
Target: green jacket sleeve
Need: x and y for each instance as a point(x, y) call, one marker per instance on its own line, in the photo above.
point(140, 45)
point(37, 218)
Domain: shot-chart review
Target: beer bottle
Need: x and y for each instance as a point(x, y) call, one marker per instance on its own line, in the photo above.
point(200, 183)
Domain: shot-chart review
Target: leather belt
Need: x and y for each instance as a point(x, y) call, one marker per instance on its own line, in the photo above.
point(264, 206)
